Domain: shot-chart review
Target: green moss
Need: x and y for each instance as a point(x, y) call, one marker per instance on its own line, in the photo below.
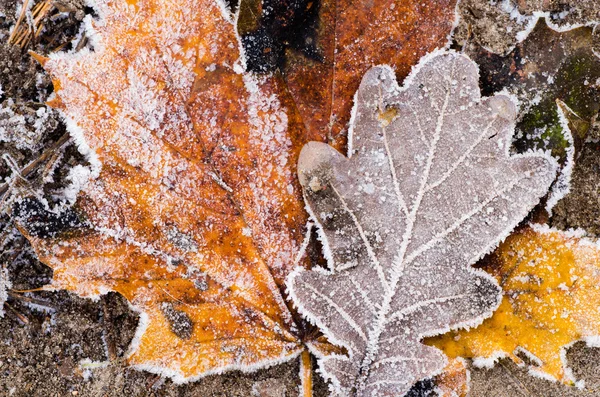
point(540, 129)
point(576, 85)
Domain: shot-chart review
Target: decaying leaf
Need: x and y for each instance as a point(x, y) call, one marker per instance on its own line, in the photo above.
point(428, 189)
point(547, 66)
point(501, 25)
point(325, 47)
point(551, 284)
point(196, 216)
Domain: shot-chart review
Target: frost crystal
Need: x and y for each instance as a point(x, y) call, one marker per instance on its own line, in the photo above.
point(428, 189)
point(5, 285)
point(23, 127)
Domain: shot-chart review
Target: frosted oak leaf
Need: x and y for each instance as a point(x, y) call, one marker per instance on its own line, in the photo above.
point(428, 188)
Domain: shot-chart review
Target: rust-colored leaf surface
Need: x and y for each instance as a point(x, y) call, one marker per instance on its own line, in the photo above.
point(454, 381)
point(551, 283)
point(195, 216)
point(326, 59)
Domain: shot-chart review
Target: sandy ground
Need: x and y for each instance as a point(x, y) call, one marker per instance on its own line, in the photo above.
point(44, 341)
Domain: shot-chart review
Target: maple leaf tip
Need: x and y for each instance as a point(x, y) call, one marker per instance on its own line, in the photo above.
point(42, 60)
point(39, 58)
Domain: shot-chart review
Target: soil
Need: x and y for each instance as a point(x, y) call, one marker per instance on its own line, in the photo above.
point(56, 344)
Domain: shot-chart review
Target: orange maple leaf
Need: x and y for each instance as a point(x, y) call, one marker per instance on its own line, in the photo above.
point(194, 213)
point(186, 217)
point(551, 292)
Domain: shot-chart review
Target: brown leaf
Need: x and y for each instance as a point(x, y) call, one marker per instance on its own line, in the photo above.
point(350, 38)
point(454, 381)
point(548, 65)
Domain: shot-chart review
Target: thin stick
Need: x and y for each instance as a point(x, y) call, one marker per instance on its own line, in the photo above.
point(44, 9)
point(21, 317)
point(21, 16)
point(306, 374)
point(29, 168)
point(22, 35)
point(38, 302)
point(22, 291)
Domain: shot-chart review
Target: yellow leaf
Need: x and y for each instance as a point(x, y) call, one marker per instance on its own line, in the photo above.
point(551, 284)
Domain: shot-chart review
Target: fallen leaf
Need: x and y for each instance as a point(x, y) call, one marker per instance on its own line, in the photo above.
point(551, 287)
point(325, 47)
point(401, 226)
point(196, 216)
point(501, 25)
point(579, 208)
point(547, 66)
point(454, 380)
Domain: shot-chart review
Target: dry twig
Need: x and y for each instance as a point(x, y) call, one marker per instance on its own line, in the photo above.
point(29, 27)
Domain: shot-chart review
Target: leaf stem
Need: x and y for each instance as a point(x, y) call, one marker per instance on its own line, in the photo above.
point(306, 374)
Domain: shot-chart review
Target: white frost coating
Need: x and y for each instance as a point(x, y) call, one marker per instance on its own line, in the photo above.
point(178, 378)
point(488, 362)
point(241, 63)
point(532, 357)
point(24, 130)
point(540, 375)
point(562, 185)
point(143, 324)
point(592, 341)
point(566, 26)
point(399, 266)
point(568, 372)
point(327, 254)
point(531, 20)
point(94, 39)
point(455, 23)
point(351, 125)
point(40, 308)
point(87, 366)
point(5, 285)
point(571, 233)
point(78, 177)
point(595, 32)
point(78, 137)
point(305, 243)
point(226, 13)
